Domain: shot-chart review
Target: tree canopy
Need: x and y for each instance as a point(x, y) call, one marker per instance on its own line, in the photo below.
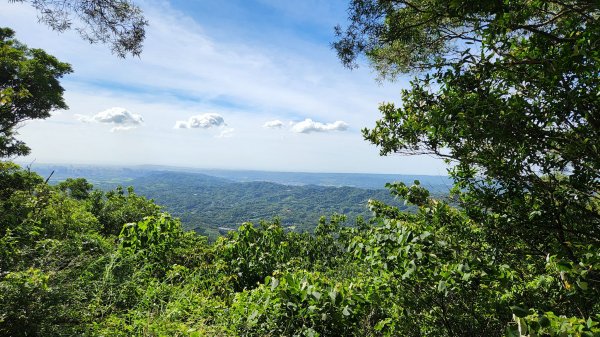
point(29, 89)
point(114, 264)
point(119, 23)
point(508, 93)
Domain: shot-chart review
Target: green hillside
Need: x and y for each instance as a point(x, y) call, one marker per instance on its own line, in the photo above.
point(212, 206)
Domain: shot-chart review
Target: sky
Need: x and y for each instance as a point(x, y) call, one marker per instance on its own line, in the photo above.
point(237, 84)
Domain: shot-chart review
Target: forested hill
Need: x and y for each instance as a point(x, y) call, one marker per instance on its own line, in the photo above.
point(212, 205)
point(212, 202)
point(359, 180)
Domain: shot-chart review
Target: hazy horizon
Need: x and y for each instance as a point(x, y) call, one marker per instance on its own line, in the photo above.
point(200, 168)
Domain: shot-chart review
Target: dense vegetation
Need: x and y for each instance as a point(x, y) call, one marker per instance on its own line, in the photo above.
point(213, 206)
point(507, 91)
point(80, 261)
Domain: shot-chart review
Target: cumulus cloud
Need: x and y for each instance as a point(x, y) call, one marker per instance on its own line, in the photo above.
point(308, 126)
point(122, 118)
point(203, 121)
point(275, 124)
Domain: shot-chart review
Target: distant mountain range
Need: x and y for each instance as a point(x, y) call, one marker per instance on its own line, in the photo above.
point(214, 201)
point(111, 175)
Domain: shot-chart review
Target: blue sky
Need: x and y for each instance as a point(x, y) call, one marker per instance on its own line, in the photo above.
point(239, 84)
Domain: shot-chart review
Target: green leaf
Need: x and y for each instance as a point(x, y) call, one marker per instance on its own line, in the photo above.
point(442, 286)
point(333, 295)
point(274, 283)
point(583, 285)
point(512, 331)
point(590, 323)
point(316, 295)
point(381, 324)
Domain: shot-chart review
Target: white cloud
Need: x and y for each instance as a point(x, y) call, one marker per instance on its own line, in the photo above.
point(193, 61)
point(308, 126)
point(203, 121)
point(274, 124)
point(290, 77)
point(122, 118)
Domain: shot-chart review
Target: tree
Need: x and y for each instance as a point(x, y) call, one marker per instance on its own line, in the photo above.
point(508, 92)
point(115, 208)
point(77, 188)
point(119, 23)
point(29, 89)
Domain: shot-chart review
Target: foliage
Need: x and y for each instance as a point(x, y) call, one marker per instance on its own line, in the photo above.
point(115, 208)
point(119, 23)
point(507, 92)
point(154, 237)
point(213, 206)
point(515, 107)
point(444, 277)
point(429, 272)
point(29, 89)
point(13, 178)
point(300, 304)
point(549, 324)
point(47, 240)
point(251, 254)
point(22, 297)
point(77, 188)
